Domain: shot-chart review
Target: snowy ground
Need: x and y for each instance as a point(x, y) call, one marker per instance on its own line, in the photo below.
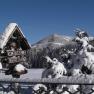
point(32, 73)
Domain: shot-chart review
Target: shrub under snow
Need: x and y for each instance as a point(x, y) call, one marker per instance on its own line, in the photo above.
point(40, 89)
point(58, 69)
point(19, 68)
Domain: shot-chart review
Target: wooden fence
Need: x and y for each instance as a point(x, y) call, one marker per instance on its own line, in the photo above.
point(17, 84)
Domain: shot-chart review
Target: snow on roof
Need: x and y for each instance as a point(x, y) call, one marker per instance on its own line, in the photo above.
point(6, 35)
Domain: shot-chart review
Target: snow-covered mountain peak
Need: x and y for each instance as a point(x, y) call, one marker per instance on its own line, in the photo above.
point(55, 38)
point(53, 41)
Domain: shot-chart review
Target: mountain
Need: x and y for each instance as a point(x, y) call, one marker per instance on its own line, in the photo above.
point(53, 41)
point(55, 38)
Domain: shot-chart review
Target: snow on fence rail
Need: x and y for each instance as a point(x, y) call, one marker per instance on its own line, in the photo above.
point(83, 79)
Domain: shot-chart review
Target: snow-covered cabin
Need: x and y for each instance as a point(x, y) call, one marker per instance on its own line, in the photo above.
point(13, 39)
point(12, 34)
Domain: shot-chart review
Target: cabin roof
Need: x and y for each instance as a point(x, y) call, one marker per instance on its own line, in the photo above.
point(9, 30)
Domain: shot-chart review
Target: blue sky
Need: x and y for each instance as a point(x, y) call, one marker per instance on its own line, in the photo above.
point(40, 18)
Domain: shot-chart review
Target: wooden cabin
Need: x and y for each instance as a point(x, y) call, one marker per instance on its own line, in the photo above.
point(14, 43)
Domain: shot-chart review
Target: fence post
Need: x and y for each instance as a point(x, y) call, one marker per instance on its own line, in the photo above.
point(17, 88)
